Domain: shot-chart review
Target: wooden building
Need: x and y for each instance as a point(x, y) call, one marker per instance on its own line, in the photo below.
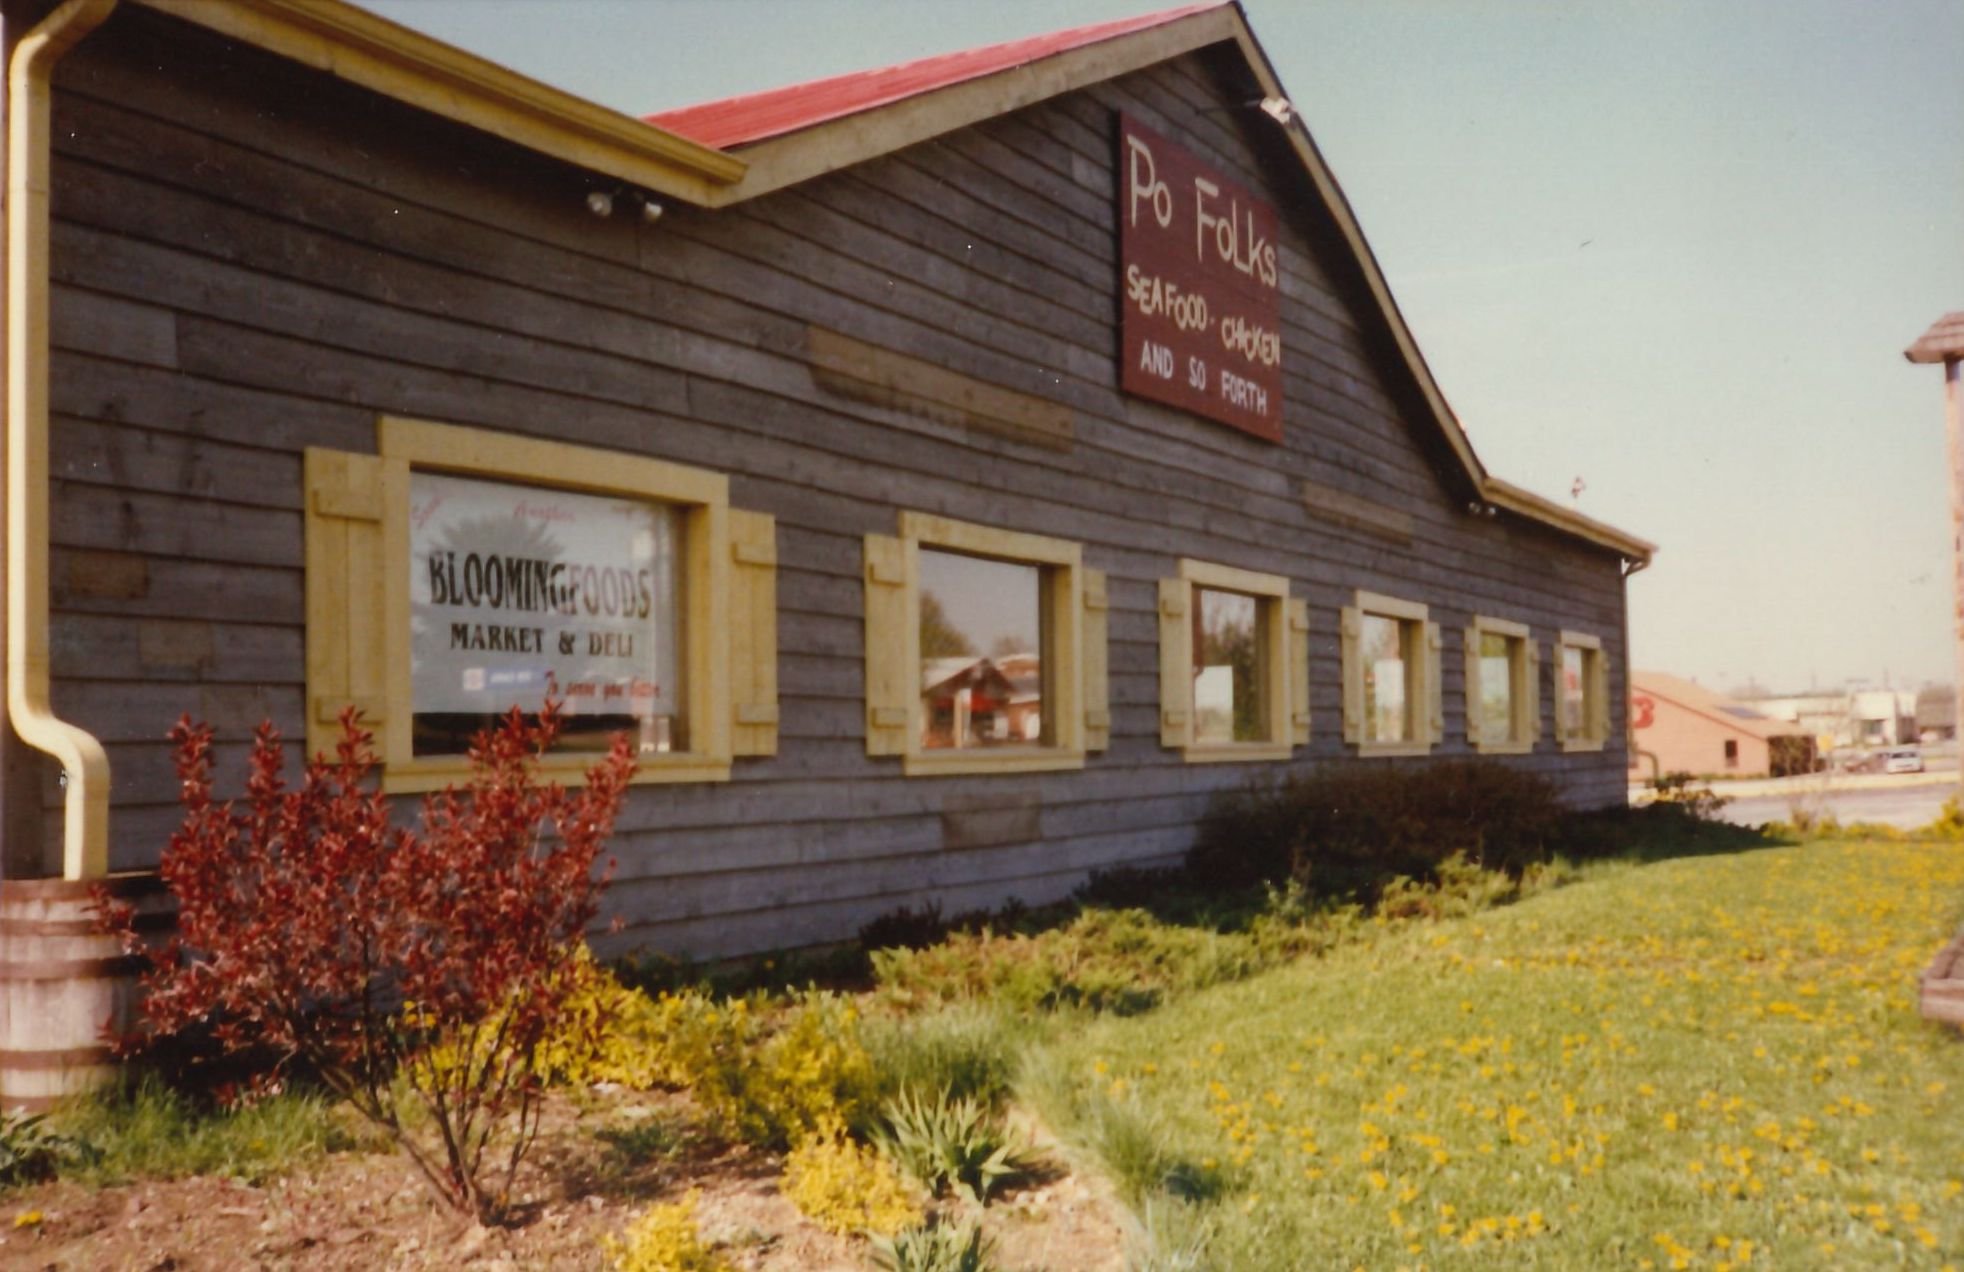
point(368, 372)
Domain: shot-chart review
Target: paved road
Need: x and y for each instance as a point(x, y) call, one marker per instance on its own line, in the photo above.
point(1904, 806)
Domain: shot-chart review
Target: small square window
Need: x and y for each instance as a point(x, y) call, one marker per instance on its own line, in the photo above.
point(981, 642)
point(1391, 676)
point(1234, 664)
point(1502, 709)
point(984, 649)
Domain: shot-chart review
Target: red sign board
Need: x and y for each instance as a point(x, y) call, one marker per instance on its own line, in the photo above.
point(1199, 287)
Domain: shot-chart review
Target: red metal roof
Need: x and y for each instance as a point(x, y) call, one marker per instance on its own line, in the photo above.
point(738, 121)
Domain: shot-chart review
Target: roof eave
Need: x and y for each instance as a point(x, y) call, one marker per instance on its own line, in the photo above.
point(384, 57)
point(1505, 494)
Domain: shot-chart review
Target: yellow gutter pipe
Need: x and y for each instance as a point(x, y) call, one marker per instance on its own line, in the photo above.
point(84, 763)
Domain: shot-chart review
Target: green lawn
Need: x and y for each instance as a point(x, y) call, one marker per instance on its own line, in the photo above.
point(1709, 1062)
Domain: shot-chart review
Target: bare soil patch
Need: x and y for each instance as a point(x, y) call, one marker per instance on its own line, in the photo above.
point(602, 1157)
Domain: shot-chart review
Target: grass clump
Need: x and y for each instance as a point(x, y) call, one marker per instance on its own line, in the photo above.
point(147, 1130)
point(967, 1049)
point(32, 1150)
point(953, 1144)
point(937, 1247)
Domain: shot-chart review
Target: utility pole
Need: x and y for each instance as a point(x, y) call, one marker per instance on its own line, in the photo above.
point(1944, 342)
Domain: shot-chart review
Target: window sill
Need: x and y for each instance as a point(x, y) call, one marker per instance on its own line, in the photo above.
point(1583, 744)
point(1504, 748)
point(1005, 760)
point(1236, 752)
point(568, 770)
point(1393, 748)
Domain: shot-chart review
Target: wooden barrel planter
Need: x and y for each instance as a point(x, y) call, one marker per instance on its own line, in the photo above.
point(1940, 991)
point(65, 985)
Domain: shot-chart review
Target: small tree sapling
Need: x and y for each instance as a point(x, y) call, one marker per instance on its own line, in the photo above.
point(409, 969)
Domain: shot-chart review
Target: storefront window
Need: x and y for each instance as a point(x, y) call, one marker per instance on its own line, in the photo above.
point(520, 593)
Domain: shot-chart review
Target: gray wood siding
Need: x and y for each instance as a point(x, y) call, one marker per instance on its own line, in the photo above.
point(250, 258)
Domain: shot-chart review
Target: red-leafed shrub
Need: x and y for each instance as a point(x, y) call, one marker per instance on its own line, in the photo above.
point(414, 971)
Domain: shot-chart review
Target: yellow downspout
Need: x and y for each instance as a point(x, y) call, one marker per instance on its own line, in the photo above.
point(85, 765)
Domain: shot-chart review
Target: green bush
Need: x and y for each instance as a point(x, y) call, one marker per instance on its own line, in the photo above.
point(1347, 830)
point(767, 1075)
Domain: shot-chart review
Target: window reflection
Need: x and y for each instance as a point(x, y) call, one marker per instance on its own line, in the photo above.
point(1496, 689)
point(1575, 720)
point(1228, 660)
point(981, 632)
point(1387, 663)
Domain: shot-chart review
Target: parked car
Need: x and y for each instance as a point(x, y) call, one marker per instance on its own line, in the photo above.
point(1902, 760)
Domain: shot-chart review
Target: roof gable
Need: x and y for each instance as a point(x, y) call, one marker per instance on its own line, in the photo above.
point(798, 133)
point(754, 117)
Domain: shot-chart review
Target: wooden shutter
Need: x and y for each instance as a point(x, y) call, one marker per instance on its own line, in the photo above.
point(1175, 664)
point(1435, 699)
point(753, 633)
point(1532, 694)
point(1351, 638)
point(1475, 715)
point(892, 675)
point(349, 609)
point(1094, 635)
point(1598, 697)
point(1299, 673)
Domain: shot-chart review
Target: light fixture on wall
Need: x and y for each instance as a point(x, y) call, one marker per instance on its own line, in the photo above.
point(1280, 109)
point(601, 203)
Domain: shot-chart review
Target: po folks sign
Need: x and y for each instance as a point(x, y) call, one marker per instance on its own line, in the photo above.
point(1202, 305)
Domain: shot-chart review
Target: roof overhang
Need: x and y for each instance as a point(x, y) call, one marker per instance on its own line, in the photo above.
point(384, 57)
point(387, 58)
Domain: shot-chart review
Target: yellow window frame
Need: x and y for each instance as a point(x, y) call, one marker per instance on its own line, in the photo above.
point(1595, 691)
point(1075, 600)
point(1524, 724)
point(347, 611)
point(1285, 687)
point(1425, 714)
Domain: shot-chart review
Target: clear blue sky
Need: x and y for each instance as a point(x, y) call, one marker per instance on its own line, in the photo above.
point(1675, 249)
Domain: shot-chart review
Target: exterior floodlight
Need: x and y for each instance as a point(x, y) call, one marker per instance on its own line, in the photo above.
point(1280, 109)
point(600, 203)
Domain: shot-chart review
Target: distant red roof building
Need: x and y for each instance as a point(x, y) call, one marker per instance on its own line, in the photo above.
point(1689, 729)
point(752, 117)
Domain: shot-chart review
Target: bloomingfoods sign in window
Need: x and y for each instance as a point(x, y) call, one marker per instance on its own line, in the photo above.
point(519, 593)
point(1201, 295)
